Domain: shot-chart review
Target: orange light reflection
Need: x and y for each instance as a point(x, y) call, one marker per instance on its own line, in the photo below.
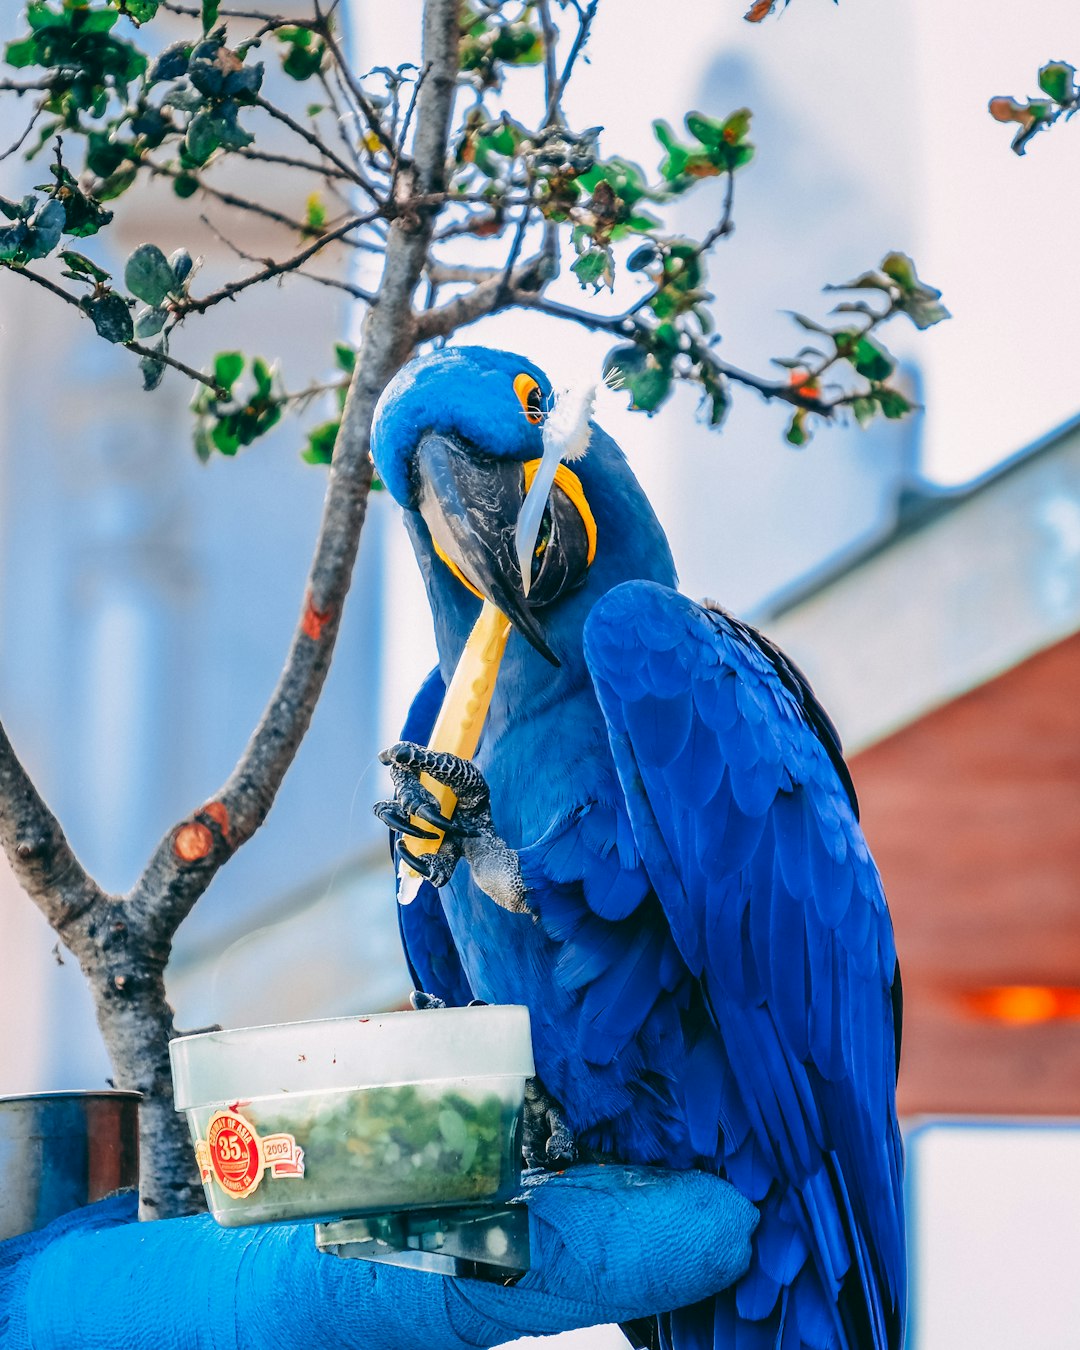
point(1025, 1004)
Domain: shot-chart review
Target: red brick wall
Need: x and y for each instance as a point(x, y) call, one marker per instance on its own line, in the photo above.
point(973, 814)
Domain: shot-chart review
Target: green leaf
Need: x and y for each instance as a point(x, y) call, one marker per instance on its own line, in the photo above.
point(147, 274)
point(83, 213)
point(150, 322)
point(225, 438)
point(1058, 79)
point(344, 357)
point(591, 267)
point(203, 137)
point(924, 310)
point(142, 11)
point(185, 185)
point(209, 18)
point(707, 130)
point(44, 229)
point(902, 270)
point(865, 409)
point(893, 404)
point(172, 62)
point(797, 433)
point(650, 387)
point(111, 317)
point(717, 401)
point(11, 241)
point(153, 371)
point(315, 213)
point(642, 257)
point(91, 20)
point(227, 368)
point(81, 267)
point(320, 446)
point(304, 58)
point(181, 264)
point(263, 377)
point(871, 360)
point(25, 53)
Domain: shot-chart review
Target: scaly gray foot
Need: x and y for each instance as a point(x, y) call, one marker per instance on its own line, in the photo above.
point(547, 1138)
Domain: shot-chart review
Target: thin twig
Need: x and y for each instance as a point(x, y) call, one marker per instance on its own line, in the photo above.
point(189, 371)
point(17, 144)
point(585, 21)
point(341, 116)
point(231, 199)
point(283, 117)
point(365, 105)
point(349, 287)
point(135, 347)
point(233, 288)
point(269, 21)
point(309, 166)
point(724, 226)
point(418, 84)
point(625, 326)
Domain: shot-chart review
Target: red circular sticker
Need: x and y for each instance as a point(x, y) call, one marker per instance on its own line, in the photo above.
point(235, 1155)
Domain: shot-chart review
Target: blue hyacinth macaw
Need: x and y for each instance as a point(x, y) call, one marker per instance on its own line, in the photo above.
point(661, 858)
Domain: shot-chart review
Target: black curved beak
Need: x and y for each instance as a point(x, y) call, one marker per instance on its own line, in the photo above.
point(471, 506)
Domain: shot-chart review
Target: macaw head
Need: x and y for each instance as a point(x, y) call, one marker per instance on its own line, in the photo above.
point(472, 443)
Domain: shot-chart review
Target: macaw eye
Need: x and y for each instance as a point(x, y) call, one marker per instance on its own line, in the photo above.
point(530, 397)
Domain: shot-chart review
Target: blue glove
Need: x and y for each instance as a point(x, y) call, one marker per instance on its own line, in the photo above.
point(609, 1244)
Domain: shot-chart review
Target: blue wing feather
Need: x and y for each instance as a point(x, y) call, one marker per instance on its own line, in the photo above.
point(746, 821)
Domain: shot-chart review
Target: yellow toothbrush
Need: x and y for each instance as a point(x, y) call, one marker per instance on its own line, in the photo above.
point(458, 726)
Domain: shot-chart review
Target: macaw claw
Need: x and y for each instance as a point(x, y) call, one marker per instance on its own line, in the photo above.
point(547, 1140)
point(461, 776)
point(434, 867)
point(392, 816)
point(470, 834)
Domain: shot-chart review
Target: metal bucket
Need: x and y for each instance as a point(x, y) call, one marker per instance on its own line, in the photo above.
point(60, 1150)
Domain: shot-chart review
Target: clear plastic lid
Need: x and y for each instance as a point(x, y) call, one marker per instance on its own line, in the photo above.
point(343, 1053)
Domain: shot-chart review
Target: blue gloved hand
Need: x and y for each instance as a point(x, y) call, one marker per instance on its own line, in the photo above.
point(609, 1244)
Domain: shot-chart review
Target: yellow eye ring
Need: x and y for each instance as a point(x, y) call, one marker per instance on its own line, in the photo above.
point(531, 398)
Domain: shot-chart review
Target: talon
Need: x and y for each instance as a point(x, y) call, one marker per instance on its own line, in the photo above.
point(548, 1141)
point(394, 818)
point(438, 820)
point(561, 1147)
point(419, 865)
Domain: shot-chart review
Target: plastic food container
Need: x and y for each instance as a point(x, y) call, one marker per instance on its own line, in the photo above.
point(356, 1115)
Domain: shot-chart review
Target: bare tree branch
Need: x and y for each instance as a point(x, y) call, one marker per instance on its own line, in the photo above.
point(188, 856)
point(489, 296)
point(136, 347)
point(39, 853)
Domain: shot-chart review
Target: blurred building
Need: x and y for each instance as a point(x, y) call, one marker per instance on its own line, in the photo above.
point(949, 651)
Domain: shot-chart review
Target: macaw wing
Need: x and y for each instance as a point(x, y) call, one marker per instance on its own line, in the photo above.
point(747, 825)
point(430, 953)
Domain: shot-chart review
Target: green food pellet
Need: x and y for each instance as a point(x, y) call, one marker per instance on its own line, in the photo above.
point(386, 1148)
